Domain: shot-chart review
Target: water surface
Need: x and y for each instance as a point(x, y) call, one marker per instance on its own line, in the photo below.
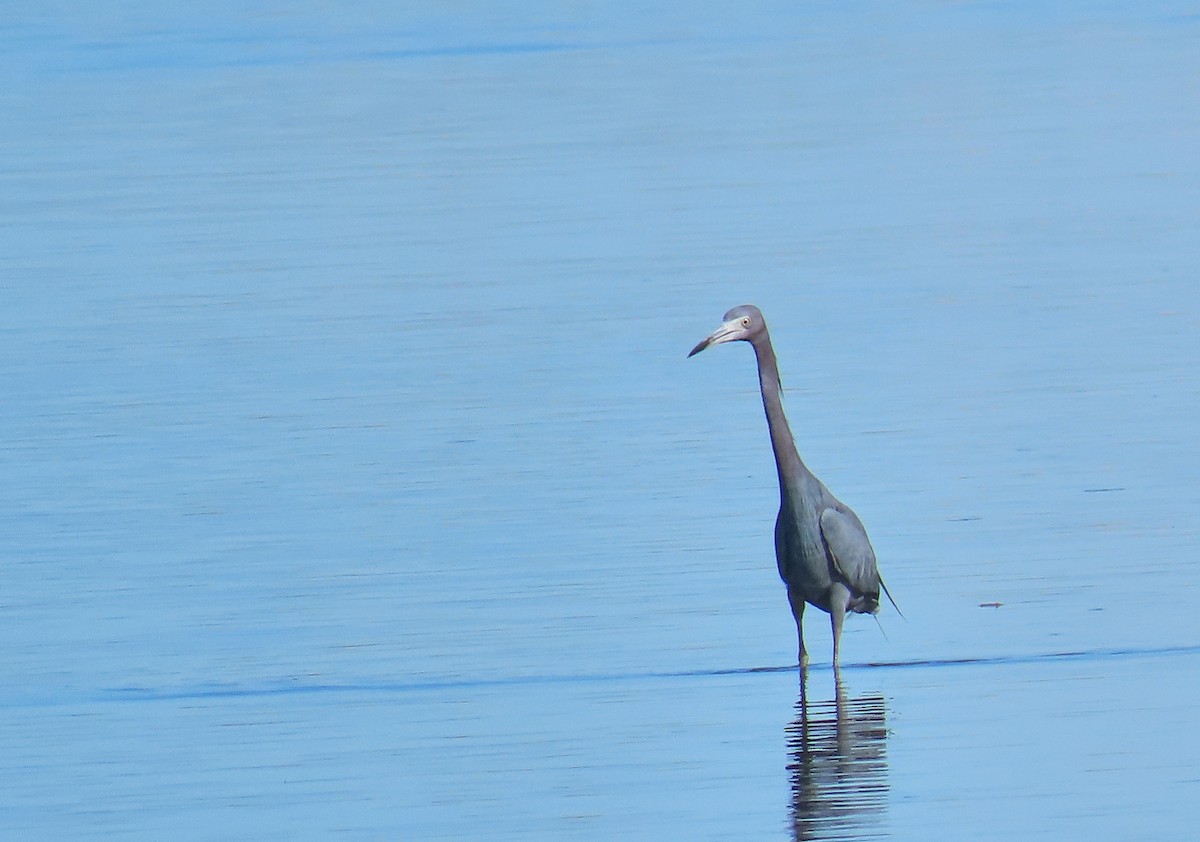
point(356, 481)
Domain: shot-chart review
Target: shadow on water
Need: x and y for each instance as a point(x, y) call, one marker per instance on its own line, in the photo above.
point(837, 765)
point(296, 685)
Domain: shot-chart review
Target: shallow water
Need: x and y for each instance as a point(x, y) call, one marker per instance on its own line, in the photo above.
point(357, 482)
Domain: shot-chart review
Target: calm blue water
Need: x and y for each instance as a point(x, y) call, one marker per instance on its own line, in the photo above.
point(356, 482)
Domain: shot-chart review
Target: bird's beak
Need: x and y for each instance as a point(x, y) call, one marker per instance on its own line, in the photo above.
point(727, 332)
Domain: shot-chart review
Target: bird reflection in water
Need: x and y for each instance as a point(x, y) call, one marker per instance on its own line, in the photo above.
point(837, 752)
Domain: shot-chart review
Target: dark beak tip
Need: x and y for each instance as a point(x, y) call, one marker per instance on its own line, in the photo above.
point(698, 349)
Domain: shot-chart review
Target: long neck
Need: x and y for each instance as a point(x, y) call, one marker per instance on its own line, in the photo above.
point(787, 458)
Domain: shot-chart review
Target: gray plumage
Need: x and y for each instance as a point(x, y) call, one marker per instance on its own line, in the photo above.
point(822, 550)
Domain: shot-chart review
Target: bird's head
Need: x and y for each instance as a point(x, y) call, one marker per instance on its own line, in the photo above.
point(744, 323)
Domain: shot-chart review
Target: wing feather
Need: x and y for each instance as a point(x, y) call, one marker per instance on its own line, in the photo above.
point(851, 554)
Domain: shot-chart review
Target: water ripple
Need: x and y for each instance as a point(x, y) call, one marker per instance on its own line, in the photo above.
point(296, 687)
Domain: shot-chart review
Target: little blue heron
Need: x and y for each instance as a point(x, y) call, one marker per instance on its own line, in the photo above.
point(821, 547)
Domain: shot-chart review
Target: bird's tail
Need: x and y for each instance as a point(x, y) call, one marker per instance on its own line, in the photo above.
point(889, 596)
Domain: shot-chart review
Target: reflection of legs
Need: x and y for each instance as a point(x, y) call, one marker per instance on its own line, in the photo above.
point(797, 601)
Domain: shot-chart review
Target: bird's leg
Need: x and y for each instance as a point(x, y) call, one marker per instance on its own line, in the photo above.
point(837, 614)
point(796, 599)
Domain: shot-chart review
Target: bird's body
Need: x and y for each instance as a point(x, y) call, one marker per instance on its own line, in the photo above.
point(821, 548)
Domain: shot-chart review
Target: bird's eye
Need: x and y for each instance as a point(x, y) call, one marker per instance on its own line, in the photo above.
point(745, 321)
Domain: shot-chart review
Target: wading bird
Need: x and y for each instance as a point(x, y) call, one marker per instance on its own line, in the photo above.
point(821, 547)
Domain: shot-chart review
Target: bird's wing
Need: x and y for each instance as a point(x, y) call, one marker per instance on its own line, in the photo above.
point(848, 547)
